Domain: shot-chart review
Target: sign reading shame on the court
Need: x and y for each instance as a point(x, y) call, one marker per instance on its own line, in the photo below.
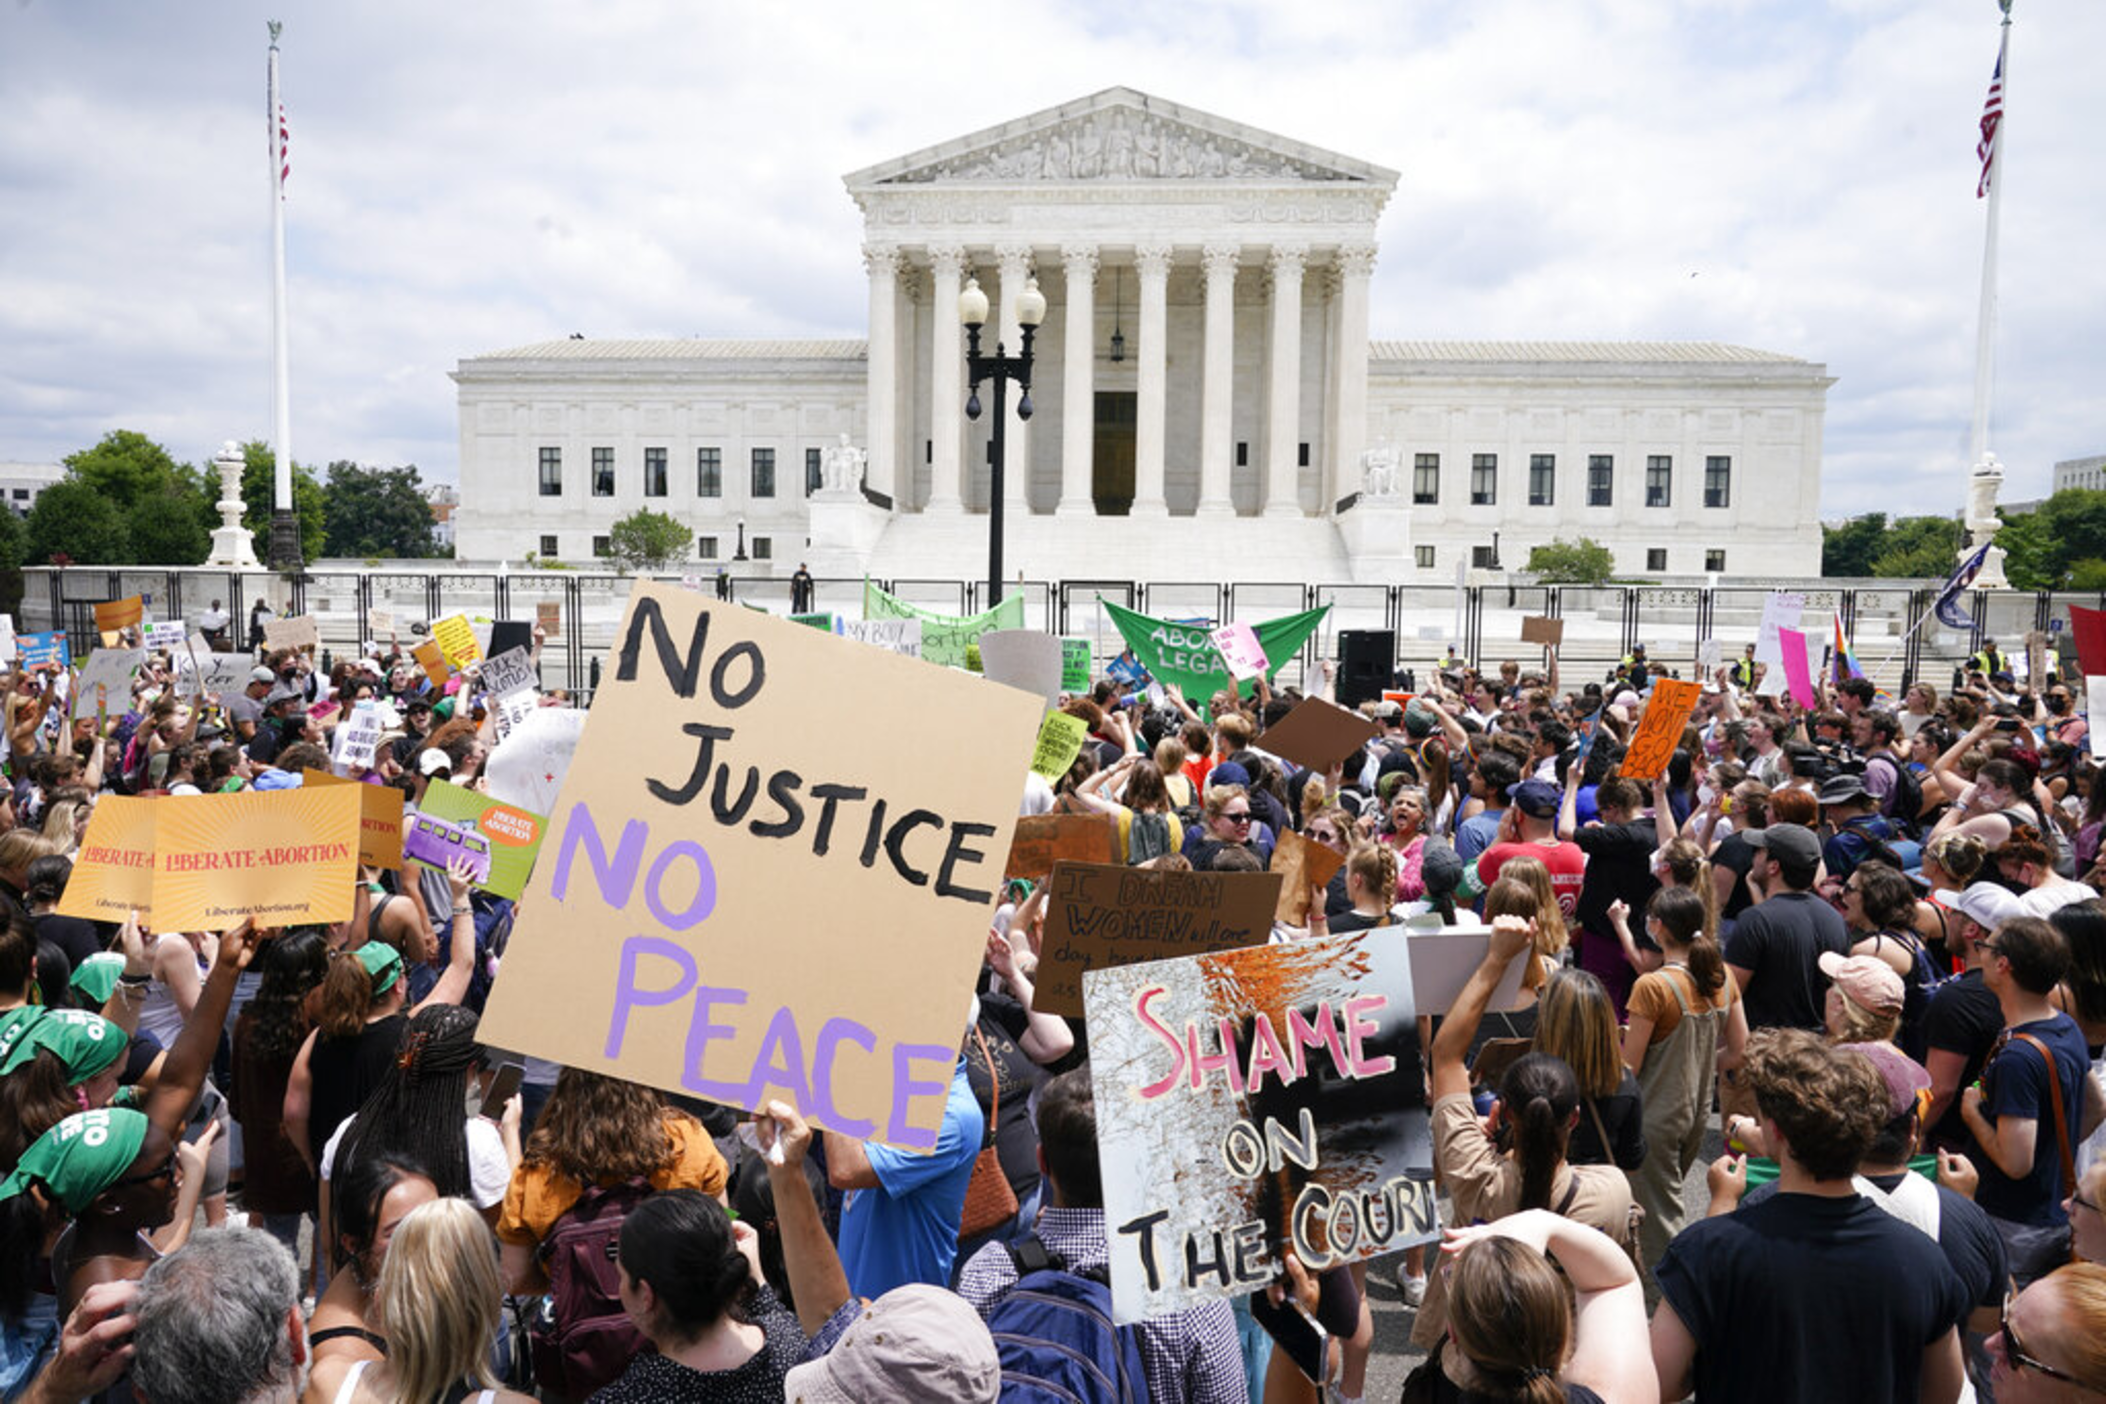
point(712, 785)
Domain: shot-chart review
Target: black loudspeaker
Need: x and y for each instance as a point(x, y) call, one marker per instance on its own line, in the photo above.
point(1365, 660)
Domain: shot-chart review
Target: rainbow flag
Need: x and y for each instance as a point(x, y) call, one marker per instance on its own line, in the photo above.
point(1845, 660)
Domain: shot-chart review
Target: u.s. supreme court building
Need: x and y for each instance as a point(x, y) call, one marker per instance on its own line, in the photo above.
point(1210, 400)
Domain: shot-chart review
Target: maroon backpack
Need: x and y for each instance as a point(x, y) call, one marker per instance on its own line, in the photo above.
point(588, 1340)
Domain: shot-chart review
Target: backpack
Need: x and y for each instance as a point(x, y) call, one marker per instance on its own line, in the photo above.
point(585, 1341)
point(1055, 1337)
point(1906, 807)
point(1147, 836)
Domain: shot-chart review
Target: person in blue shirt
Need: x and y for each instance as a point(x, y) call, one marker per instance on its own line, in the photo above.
point(899, 1223)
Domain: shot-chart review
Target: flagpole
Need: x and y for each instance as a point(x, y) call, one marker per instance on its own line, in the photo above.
point(285, 530)
point(1985, 476)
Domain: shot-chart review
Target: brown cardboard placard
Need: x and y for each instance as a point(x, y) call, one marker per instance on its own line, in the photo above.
point(2037, 659)
point(300, 631)
point(1537, 629)
point(1302, 863)
point(549, 615)
point(113, 873)
point(1317, 734)
point(126, 613)
point(1103, 915)
point(709, 784)
point(1041, 840)
point(432, 659)
point(379, 818)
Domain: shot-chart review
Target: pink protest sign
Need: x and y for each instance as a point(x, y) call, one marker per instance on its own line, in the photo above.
point(1797, 676)
point(1241, 650)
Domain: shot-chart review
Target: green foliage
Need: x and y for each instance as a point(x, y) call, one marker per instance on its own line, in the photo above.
point(1850, 549)
point(646, 540)
point(2047, 544)
point(1919, 546)
point(1580, 562)
point(259, 494)
point(75, 518)
point(379, 512)
point(2087, 575)
point(126, 467)
point(165, 529)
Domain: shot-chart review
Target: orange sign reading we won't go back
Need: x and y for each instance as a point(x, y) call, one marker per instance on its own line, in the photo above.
point(1653, 744)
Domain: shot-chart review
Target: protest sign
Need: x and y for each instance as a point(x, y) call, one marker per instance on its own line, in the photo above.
point(1780, 610)
point(2088, 628)
point(527, 766)
point(110, 670)
point(1185, 653)
point(1536, 629)
point(1317, 734)
point(1798, 675)
point(1041, 840)
point(432, 659)
point(822, 620)
point(2095, 713)
point(1075, 665)
point(1060, 739)
point(1028, 659)
point(1302, 863)
point(441, 843)
point(380, 623)
point(708, 788)
point(1256, 1100)
point(455, 637)
point(509, 672)
point(2037, 657)
point(1660, 730)
point(504, 635)
point(508, 711)
point(7, 638)
point(283, 857)
point(113, 873)
point(944, 637)
point(511, 836)
point(549, 615)
point(1241, 651)
point(223, 672)
point(1443, 960)
point(1711, 656)
point(166, 634)
point(357, 737)
point(379, 818)
point(901, 636)
point(1100, 915)
point(300, 631)
point(119, 614)
point(1402, 699)
point(47, 649)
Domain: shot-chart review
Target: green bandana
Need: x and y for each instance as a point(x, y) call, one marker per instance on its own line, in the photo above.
point(80, 1157)
point(383, 962)
point(14, 1021)
point(97, 976)
point(86, 1043)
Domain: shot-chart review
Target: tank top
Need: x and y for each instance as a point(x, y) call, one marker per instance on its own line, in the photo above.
point(348, 1390)
point(345, 1071)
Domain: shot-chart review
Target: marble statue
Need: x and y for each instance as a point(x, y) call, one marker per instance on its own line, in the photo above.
point(841, 467)
point(1378, 471)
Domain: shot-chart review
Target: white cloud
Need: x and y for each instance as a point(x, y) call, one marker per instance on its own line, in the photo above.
point(473, 176)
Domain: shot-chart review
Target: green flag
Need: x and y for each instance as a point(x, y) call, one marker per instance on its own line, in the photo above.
point(944, 637)
point(1185, 655)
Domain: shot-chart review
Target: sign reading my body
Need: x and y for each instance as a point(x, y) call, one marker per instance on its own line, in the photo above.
point(678, 881)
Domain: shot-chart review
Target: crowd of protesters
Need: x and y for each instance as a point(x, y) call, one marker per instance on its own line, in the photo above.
point(1863, 941)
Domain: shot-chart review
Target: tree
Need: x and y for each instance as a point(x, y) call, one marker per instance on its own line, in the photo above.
point(376, 512)
point(259, 494)
point(73, 517)
point(1850, 549)
point(1919, 546)
point(1580, 562)
point(646, 540)
point(125, 467)
point(165, 530)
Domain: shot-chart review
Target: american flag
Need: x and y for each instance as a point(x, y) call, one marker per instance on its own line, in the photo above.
point(1992, 118)
point(285, 151)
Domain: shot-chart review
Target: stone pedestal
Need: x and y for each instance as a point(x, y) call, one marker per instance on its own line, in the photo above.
point(232, 545)
point(1376, 534)
point(844, 530)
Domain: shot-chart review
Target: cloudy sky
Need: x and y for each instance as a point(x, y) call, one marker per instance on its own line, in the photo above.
point(1788, 174)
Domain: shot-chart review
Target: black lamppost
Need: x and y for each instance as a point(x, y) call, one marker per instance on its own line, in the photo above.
point(972, 310)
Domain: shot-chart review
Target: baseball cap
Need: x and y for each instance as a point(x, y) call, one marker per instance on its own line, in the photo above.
point(434, 762)
point(1868, 981)
point(915, 1342)
point(1788, 842)
point(1538, 798)
point(257, 675)
point(1904, 1076)
point(1418, 721)
point(1985, 904)
point(1841, 789)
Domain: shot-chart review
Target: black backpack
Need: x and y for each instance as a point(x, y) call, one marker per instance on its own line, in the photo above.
point(1906, 807)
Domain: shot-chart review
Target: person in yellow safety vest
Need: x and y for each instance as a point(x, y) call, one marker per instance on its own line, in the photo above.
point(1990, 661)
point(1744, 669)
point(1453, 662)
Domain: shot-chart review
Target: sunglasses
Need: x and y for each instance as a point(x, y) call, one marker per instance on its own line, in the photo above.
point(164, 1171)
point(1243, 818)
point(2015, 1354)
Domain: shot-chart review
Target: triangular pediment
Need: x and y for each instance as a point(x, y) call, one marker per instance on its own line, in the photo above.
point(1120, 135)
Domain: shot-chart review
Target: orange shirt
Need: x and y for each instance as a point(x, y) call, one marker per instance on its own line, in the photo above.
point(539, 1194)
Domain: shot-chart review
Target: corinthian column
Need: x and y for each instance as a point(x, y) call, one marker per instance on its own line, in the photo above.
point(946, 382)
point(1152, 263)
point(881, 368)
point(1347, 432)
point(1013, 266)
point(1283, 405)
point(1078, 389)
point(1217, 373)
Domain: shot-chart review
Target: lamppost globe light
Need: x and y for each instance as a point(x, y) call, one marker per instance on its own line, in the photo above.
point(972, 304)
point(1030, 304)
